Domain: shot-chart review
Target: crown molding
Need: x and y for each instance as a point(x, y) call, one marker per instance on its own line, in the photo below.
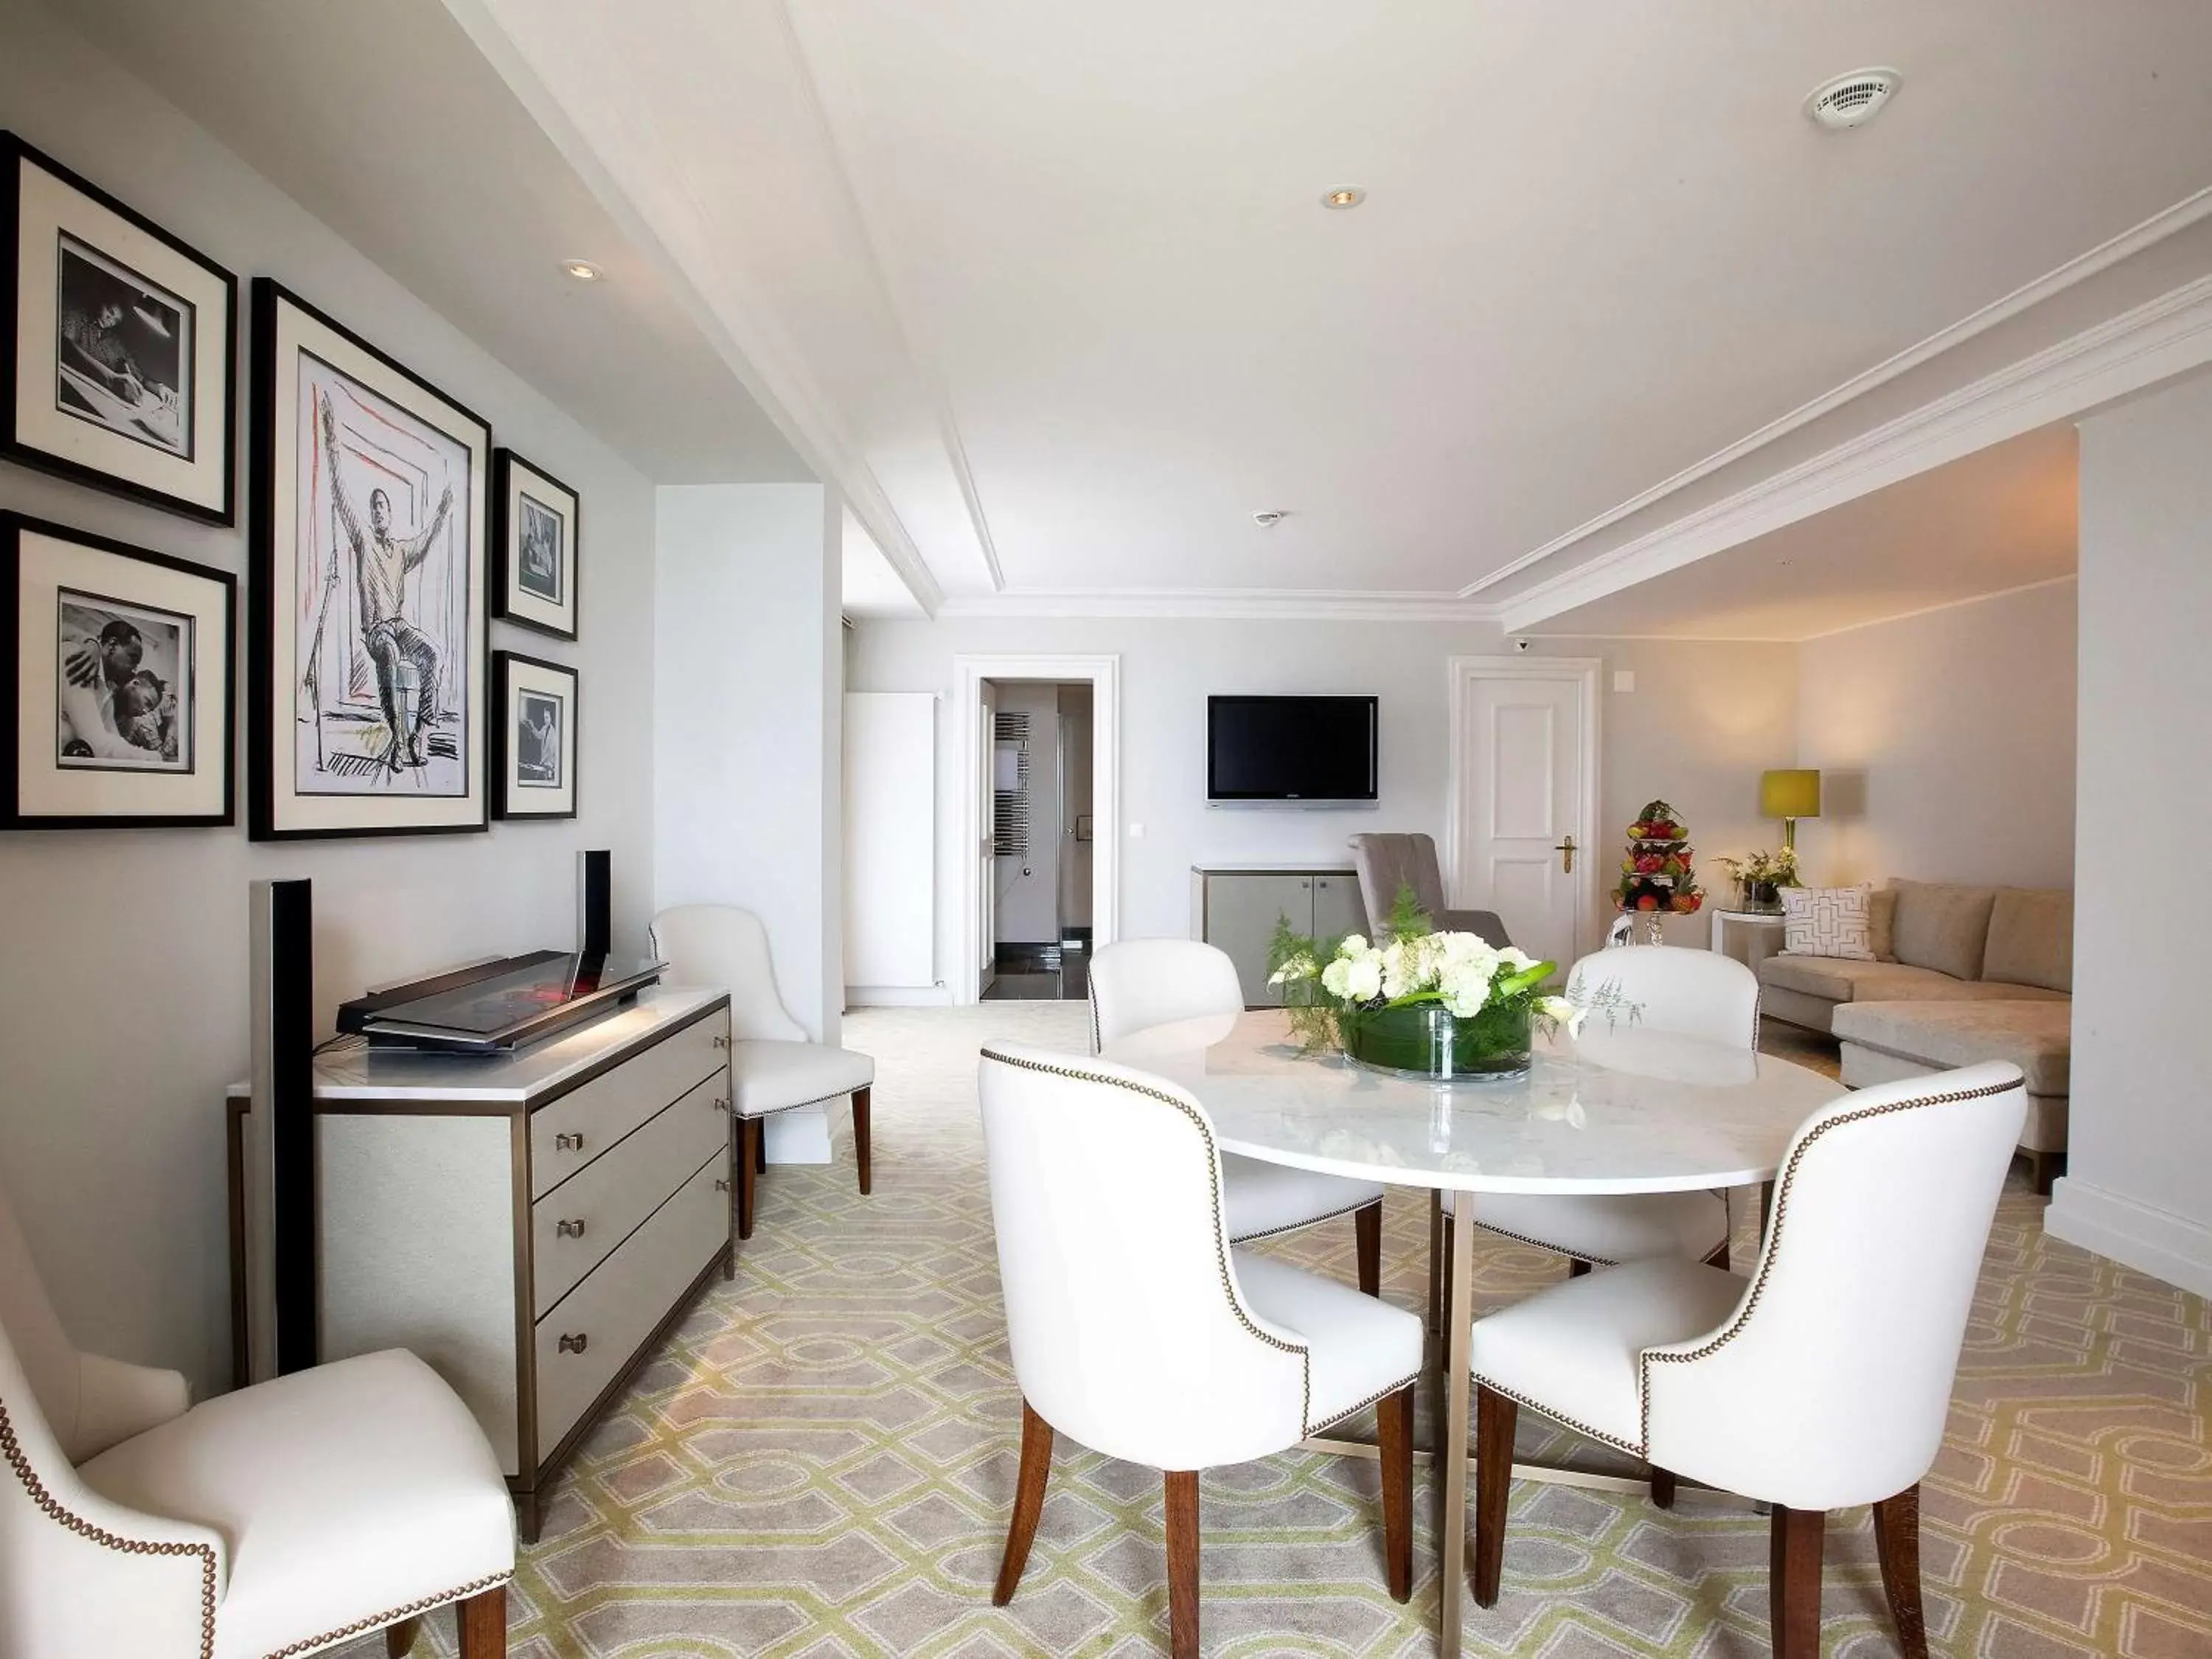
point(1223, 605)
point(2162, 338)
point(741, 331)
point(2166, 222)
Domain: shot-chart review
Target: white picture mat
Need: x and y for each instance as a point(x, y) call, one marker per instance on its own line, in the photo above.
point(290, 811)
point(47, 206)
point(48, 563)
point(522, 479)
point(535, 799)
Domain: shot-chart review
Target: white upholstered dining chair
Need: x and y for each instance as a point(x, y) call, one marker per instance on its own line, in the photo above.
point(1135, 1328)
point(1138, 982)
point(774, 1067)
point(1700, 993)
point(280, 1519)
point(1819, 1383)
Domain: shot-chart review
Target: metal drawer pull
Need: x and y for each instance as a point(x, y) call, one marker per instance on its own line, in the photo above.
point(722, 1042)
point(722, 1104)
point(569, 1228)
point(569, 1143)
point(575, 1344)
point(721, 1185)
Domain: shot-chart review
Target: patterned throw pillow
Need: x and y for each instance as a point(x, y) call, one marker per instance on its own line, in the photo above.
point(1827, 921)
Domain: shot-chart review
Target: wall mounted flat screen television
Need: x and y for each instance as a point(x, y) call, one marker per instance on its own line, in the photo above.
point(1290, 751)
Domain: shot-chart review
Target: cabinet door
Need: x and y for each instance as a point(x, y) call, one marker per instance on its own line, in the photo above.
point(1241, 914)
point(1337, 909)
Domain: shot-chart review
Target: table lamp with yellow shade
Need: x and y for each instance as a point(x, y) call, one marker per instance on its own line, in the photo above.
point(1789, 795)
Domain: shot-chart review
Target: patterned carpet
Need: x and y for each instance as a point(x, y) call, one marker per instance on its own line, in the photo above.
point(820, 1463)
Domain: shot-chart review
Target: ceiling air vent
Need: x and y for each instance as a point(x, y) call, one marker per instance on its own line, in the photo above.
point(1852, 99)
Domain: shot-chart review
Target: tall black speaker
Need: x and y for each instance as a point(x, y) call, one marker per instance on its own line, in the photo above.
point(281, 1260)
point(594, 902)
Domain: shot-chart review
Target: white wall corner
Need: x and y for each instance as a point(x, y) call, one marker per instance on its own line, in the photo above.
point(2136, 1235)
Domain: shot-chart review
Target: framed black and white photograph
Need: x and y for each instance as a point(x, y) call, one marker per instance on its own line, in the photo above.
point(535, 522)
point(117, 662)
point(533, 737)
point(118, 344)
point(369, 635)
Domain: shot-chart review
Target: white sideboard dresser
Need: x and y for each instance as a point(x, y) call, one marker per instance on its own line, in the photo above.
point(1236, 907)
point(530, 1223)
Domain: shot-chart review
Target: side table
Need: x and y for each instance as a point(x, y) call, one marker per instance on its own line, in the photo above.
point(1749, 936)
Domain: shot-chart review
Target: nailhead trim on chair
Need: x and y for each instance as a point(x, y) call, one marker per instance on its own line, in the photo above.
point(1542, 1244)
point(1542, 1410)
point(1650, 1356)
point(1312, 1220)
point(1213, 1179)
point(51, 1507)
point(1379, 1394)
point(381, 1619)
point(800, 1105)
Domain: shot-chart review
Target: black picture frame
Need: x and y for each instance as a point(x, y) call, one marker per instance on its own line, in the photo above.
point(33, 438)
point(513, 476)
point(509, 802)
point(212, 741)
point(274, 813)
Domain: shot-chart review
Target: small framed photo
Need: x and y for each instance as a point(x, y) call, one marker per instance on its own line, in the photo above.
point(117, 350)
point(117, 666)
point(535, 522)
point(533, 738)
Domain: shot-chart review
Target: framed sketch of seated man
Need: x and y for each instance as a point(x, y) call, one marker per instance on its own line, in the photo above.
point(118, 344)
point(536, 522)
point(115, 662)
point(534, 714)
point(369, 636)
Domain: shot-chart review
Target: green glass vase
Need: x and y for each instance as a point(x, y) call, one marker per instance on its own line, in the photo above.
point(1427, 1040)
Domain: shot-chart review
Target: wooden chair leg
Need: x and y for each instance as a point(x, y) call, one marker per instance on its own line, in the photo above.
point(1494, 1416)
point(861, 1103)
point(1367, 1236)
point(1029, 1503)
point(1577, 1268)
point(1437, 1223)
point(482, 1621)
point(400, 1639)
point(1897, 1539)
point(749, 1148)
point(1393, 1418)
point(1662, 1488)
point(1182, 1563)
point(759, 1146)
point(2043, 1167)
point(1795, 1592)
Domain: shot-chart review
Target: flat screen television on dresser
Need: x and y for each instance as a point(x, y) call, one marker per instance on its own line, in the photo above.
point(1290, 751)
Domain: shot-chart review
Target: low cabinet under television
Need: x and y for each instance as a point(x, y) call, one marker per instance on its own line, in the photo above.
point(1236, 907)
point(533, 1224)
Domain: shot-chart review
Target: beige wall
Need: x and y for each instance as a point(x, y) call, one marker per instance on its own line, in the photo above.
point(2136, 1186)
point(123, 987)
point(1945, 744)
point(1698, 728)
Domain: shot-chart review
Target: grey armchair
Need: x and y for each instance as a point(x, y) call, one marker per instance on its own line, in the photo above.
point(1387, 862)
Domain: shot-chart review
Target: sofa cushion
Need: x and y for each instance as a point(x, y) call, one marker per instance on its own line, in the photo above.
point(2030, 938)
point(1841, 979)
point(1881, 923)
point(1941, 926)
point(1826, 922)
point(2035, 1035)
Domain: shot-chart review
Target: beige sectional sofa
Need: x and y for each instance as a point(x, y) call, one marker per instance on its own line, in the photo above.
point(1965, 974)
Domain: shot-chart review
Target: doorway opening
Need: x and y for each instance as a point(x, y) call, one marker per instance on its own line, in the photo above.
point(1041, 873)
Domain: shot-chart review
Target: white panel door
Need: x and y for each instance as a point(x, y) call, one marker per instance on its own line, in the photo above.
point(1520, 809)
point(890, 848)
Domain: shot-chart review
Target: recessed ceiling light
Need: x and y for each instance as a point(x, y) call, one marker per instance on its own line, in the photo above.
point(583, 270)
point(1347, 195)
point(1852, 99)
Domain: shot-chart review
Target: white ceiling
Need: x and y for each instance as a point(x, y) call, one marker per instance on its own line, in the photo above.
point(2003, 517)
point(382, 118)
point(1051, 285)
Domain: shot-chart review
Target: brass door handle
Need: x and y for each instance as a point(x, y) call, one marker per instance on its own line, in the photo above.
point(1565, 849)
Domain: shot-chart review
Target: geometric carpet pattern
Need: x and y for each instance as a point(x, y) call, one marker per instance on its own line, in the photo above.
point(820, 1462)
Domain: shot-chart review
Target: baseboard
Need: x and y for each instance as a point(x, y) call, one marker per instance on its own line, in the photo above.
point(898, 996)
point(2132, 1233)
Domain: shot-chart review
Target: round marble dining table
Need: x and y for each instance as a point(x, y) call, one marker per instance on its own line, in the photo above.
point(1617, 1110)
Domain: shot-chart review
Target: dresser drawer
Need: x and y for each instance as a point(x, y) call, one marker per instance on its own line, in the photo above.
point(618, 1303)
point(569, 1134)
point(574, 1226)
